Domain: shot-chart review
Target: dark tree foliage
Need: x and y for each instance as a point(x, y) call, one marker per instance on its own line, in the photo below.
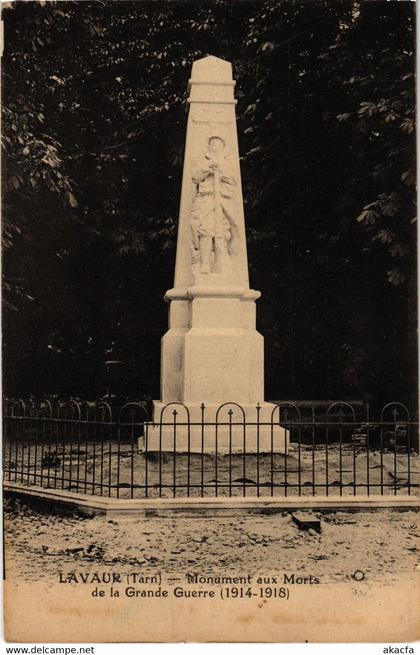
point(93, 134)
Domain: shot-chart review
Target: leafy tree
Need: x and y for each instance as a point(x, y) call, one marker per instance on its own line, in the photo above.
point(93, 137)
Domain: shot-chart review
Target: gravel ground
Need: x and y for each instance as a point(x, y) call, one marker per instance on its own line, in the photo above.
point(125, 472)
point(382, 544)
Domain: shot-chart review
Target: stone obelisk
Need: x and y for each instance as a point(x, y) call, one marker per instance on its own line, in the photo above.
point(212, 353)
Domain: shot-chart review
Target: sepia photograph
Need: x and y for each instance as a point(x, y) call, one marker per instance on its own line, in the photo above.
point(209, 321)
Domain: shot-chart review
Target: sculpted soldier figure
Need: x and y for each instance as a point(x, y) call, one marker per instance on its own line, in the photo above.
point(213, 222)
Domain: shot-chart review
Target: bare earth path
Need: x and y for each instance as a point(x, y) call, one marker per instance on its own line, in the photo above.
point(383, 545)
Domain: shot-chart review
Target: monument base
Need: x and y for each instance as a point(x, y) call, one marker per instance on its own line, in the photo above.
point(217, 429)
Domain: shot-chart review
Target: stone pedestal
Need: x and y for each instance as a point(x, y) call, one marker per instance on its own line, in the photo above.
point(215, 429)
point(212, 353)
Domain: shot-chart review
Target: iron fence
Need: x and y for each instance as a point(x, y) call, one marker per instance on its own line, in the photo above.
point(91, 448)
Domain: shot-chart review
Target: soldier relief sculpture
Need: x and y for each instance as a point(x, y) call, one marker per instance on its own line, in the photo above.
point(213, 222)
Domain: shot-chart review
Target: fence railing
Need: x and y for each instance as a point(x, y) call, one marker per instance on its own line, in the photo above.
point(91, 448)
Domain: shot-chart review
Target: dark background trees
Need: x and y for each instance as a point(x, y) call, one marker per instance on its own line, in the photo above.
point(93, 133)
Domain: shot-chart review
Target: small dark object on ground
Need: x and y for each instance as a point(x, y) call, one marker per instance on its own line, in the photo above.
point(305, 522)
point(50, 461)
